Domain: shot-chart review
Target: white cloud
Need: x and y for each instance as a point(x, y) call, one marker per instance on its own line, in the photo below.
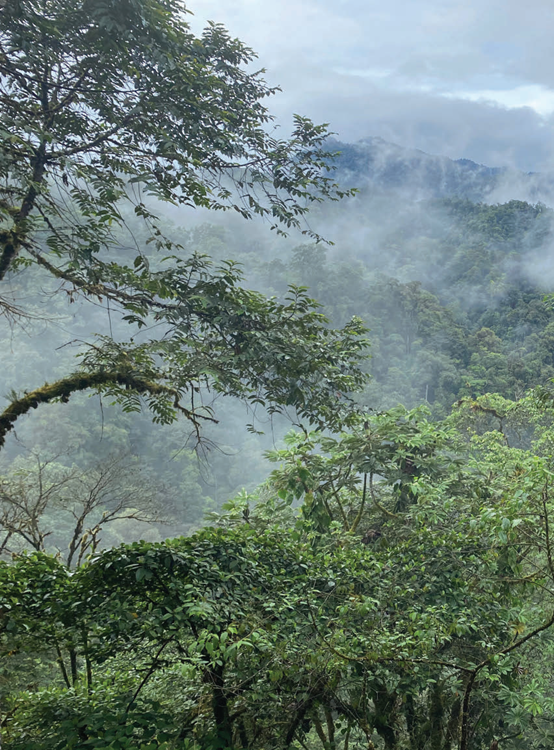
point(471, 78)
point(536, 97)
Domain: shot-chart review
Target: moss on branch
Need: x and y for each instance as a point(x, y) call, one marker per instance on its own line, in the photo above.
point(82, 381)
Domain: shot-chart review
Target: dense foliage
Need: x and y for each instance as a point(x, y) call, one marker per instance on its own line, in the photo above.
point(106, 106)
point(453, 294)
point(388, 585)
point(407, 605)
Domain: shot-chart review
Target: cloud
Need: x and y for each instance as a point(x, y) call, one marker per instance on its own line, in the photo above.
point(535, 96)
point(463, 78)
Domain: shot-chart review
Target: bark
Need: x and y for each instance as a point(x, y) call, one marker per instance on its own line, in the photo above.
point(436, 718)
point(220, 709)
point(82, 381)
point(11, 241)
point(464, 729)
point(73, 664)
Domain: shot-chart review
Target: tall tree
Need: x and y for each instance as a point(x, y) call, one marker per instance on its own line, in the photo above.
point(108, 106)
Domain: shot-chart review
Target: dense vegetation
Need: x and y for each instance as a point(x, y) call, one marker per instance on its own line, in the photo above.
point(407, 604)
point(454, 296)
point(387, 585)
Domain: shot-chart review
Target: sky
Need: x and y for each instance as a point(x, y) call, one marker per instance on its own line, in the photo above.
point(471, 79)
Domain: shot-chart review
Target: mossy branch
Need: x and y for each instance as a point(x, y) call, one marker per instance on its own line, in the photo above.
point(82, 381)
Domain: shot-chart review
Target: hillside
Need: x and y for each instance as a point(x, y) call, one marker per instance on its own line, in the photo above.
point(375, 166)
point(453, 295)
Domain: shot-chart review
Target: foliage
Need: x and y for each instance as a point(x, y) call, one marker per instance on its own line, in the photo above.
point(453, 294)
point(389, 585)
point(423, 626)
point(105, 107)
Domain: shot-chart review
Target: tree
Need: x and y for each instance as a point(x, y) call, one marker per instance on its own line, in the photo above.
point(48, 507)
point(106, 107)
point(437, 593)
point(432, 632)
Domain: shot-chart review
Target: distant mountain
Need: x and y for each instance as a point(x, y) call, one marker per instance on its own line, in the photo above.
point(375, 165)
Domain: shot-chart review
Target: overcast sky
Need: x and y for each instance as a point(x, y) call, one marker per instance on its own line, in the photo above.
point(471, 78)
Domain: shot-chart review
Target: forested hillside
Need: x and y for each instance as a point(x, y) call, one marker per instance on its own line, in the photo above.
point(376, 164)
point(259, 490)
point(454, 294)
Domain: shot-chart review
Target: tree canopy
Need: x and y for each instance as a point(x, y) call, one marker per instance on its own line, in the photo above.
point(109, 107)
point(406, 606)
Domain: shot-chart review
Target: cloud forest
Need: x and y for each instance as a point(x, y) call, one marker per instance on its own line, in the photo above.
point(277, 414)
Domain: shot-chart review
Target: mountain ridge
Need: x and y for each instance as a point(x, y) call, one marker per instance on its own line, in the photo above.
point(375, 165)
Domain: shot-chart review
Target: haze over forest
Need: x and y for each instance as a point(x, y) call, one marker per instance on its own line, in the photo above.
point(436, 267)
point(277, 428)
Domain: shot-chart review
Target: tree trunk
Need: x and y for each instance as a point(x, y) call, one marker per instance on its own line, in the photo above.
point(223, 724)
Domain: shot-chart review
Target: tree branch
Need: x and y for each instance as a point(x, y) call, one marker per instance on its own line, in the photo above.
point(377, 504)
point(81, 381)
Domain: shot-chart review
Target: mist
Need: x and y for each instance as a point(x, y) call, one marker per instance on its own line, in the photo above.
point(446, 262)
